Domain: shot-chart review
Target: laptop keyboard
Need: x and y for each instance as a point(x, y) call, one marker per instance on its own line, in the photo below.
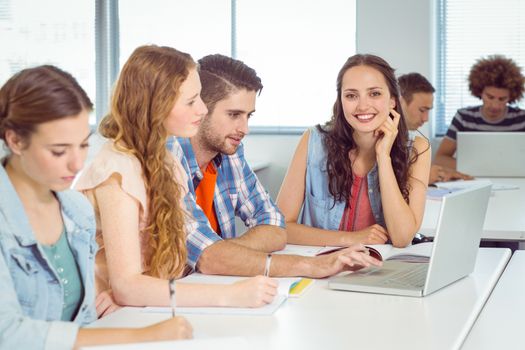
point(413, 278)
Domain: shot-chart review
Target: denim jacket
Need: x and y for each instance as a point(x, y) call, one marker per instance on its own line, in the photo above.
point(30, 289)
point(319, 209)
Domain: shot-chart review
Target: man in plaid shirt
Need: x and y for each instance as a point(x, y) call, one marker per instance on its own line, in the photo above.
point(224, 186)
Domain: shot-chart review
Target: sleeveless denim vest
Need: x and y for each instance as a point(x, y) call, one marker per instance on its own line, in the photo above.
point(319, 209)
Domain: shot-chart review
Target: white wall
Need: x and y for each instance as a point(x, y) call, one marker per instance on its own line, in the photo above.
point(402, 32)
point(277, 150)
point(399, 31)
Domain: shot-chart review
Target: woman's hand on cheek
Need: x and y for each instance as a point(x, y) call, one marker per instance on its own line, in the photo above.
point(386, 134)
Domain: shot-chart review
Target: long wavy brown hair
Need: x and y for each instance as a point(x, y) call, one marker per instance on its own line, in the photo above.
point(144, 95)
point(339, 140)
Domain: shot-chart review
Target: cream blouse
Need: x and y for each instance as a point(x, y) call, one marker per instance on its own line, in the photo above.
point(126, 168)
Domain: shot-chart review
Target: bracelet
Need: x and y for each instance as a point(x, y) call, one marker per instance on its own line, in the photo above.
point(267, 265)
point(173, 293)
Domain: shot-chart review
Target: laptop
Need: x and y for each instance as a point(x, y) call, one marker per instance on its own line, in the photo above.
point(453, 256)
point(493, 154)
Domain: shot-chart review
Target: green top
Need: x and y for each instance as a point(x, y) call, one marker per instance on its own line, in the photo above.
point(61, 258)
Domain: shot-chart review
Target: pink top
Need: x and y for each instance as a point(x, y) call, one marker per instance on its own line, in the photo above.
point(358, 213)
point(110, 161)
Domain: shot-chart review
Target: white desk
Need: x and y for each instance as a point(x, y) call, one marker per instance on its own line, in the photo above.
point(500, 324)
point(327, 319)
point(505, 219)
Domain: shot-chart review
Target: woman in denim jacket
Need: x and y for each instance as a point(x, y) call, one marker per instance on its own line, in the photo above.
point(47, 244)
point(358, 179)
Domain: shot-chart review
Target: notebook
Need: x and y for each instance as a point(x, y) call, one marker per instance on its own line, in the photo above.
point(414, 253)
point(493, 154)
point(289, 287)
point(453, 256)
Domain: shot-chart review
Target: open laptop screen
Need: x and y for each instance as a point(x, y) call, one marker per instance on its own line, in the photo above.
point(491, 154)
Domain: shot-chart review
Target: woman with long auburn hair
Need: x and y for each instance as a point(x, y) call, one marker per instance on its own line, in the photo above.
point(138, 187)
point(358, 178)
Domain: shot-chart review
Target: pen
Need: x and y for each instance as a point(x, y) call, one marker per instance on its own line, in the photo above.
point(172, 296)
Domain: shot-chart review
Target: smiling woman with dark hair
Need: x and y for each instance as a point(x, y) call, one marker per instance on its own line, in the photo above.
point(358, 178)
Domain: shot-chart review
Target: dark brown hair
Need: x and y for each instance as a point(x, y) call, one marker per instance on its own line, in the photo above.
point(221, 75)
point(37, 95)
point(497, 71)
point(412, 83)
point(144, 95)
point(339, 139)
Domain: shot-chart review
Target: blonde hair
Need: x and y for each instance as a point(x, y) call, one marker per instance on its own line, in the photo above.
point(144, 95)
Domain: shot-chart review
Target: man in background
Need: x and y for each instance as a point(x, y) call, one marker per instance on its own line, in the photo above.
point(417, 99)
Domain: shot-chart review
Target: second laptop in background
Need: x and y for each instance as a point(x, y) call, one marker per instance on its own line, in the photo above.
point(491, 154)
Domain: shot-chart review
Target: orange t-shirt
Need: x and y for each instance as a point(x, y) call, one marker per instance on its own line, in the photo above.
point(205, 193)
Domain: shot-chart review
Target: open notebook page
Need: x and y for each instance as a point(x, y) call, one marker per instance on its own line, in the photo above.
point(282, 294)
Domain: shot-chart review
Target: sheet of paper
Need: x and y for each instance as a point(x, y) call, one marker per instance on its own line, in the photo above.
point(267, 309)
point(282, 294)
point(283, 289)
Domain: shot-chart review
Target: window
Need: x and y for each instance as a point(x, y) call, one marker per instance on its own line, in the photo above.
point(297, 48)
point(469, 30)
point(198, 27)
point(58, 32)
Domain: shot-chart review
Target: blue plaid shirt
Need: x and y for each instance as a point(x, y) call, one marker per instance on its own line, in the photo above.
point(238, 192)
